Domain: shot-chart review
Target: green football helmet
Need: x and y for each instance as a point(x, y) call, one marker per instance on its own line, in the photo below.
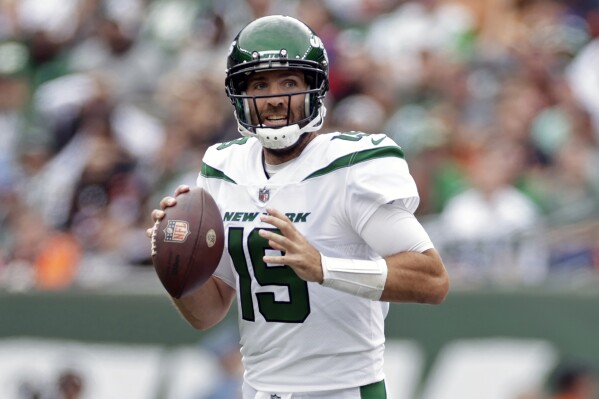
point(272, 43)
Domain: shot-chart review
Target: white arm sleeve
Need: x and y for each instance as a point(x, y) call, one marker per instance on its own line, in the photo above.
point(392, 228)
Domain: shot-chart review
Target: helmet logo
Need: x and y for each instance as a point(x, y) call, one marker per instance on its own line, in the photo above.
point(315, 41)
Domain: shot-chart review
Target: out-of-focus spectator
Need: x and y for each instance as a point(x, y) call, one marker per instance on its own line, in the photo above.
point(70, 385)
point(583, 77)
point(359, 112)
point(15, 90)
point(574, 381)
point(493, 208)
point(491, 221)
point(360, 12)
point(119, 52)
point(569, 188)
point(37, 255)
point(405, 35)
point(29, 389)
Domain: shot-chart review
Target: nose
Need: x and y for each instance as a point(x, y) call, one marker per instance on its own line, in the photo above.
point(276, 100)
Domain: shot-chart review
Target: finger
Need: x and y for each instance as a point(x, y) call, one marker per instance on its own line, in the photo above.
point(157, 214)
point(278, 214)
point(277, 246)
point(275, 238)
point(274, 260)
point(182, 189)
point(152, 230)
point(166, 202)
point(283, 224)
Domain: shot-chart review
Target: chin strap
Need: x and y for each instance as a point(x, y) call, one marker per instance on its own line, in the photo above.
point(278, 138)
point(282, 137)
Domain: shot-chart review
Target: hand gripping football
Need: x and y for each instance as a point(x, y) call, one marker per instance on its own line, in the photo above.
point(188, 242)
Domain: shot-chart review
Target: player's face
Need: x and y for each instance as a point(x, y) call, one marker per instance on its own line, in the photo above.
point(273, 112)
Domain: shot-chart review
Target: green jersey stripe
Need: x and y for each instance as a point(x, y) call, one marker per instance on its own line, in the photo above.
point(213, 173)
point(357, 157)
point(376, 390)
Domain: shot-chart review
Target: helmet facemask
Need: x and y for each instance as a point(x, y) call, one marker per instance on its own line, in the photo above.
point(284, 136)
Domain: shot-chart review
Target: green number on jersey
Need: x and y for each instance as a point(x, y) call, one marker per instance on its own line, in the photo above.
point(296, 310)
point(238, 141)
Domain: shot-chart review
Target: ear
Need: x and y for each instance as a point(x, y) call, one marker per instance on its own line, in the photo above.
point(241, 85)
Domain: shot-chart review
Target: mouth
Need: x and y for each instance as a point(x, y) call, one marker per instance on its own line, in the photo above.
point(275, 120)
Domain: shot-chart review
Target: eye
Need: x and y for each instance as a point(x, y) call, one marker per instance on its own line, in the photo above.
point(258, 85)
point(290, 84)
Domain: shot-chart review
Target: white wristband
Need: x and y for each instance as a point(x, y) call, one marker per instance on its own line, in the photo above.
point(364, 278)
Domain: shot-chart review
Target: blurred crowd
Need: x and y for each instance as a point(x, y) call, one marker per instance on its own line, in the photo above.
point(107, 105)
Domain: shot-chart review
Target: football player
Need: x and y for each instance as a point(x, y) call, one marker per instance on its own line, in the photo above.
point(320, 233)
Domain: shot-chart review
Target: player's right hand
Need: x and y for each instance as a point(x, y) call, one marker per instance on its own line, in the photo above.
point(166, 202)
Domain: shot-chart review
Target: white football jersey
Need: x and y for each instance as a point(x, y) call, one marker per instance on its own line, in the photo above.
point(298, 336)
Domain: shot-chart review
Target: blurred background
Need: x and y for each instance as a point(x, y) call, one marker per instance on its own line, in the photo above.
point(107, 105)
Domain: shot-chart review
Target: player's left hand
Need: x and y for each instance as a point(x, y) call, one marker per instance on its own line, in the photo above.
point(298, 253)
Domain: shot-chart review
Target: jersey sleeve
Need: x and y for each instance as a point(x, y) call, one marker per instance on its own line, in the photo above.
point(210, 156)
point(378, 180)
point(393, 229)
point(224, 271)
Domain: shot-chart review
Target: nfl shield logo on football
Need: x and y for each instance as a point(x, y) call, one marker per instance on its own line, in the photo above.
point(176, 231)
point(263, 194)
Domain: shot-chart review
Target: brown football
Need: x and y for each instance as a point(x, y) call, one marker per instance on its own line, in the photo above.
point(188, 242)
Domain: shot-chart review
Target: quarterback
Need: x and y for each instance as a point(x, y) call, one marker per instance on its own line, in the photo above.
point(319, 227)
